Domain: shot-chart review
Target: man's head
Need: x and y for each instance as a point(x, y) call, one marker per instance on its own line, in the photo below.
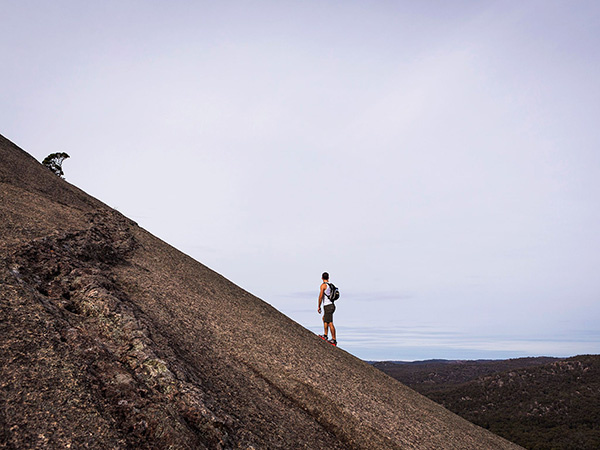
point(325, 276)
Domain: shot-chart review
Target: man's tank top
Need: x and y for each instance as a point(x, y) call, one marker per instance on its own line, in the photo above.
point(326, 295)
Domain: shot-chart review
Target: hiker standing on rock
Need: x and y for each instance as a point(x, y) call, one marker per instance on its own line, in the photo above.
point(326, 297)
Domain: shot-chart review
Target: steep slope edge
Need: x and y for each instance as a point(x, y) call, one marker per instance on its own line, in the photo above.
point(110, 338)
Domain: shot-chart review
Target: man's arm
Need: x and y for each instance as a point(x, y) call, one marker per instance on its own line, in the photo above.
point(321, 293)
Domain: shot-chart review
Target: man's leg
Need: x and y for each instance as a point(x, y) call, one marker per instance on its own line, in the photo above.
point(332, 328)
point(325, 328)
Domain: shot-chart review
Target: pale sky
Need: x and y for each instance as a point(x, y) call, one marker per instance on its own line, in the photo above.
point(441, 159)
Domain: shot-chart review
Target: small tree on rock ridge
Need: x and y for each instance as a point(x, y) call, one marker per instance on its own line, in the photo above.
point(54, 163)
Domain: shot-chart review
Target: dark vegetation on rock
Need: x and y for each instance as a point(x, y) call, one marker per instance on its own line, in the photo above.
point(54, 163)
point(539, 403)
point(110, 338)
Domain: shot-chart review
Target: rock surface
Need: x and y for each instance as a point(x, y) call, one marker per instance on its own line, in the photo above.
point(112, 339)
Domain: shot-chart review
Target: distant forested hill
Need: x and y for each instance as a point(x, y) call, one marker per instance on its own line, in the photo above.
point(439, 374)
point(538, 403)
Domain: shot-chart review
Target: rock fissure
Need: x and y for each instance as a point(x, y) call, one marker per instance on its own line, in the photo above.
point(70, 275)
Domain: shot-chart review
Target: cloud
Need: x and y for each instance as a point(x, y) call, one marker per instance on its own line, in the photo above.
point(409, 343)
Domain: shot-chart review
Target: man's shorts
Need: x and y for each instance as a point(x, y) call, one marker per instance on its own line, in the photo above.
point(328, 315)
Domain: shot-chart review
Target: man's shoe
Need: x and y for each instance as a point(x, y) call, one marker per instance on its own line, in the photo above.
point(333, 342)
point(323, 336)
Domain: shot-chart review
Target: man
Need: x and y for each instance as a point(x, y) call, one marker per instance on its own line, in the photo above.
point(329, 307)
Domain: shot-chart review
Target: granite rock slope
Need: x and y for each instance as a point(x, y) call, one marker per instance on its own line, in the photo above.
point(110, 338)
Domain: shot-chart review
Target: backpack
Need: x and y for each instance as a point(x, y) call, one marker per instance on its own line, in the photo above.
point(334, 293)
